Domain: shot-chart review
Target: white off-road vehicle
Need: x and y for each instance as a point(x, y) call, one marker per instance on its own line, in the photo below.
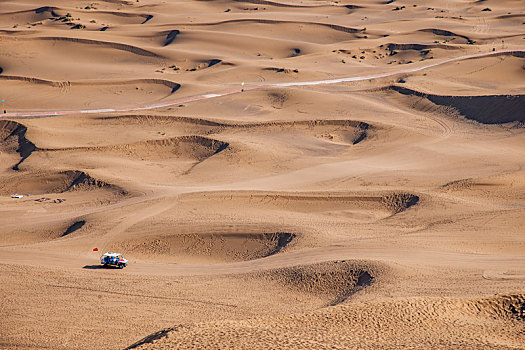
point(113, 260)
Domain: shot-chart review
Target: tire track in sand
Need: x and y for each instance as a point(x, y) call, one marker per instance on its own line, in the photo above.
point(257, 87)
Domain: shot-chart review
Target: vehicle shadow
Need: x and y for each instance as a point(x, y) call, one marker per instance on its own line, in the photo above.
point(100, 267)
point(94, 267)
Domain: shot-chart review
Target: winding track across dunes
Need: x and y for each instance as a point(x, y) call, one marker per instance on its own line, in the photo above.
point(257, 87)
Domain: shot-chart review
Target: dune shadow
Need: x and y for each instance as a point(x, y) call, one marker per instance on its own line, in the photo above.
point(489, 109)
point(74, 227)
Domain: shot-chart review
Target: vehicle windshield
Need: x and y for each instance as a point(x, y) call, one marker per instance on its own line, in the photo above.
point(112, 257)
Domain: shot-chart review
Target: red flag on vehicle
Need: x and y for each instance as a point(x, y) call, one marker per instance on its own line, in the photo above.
point(95, 249)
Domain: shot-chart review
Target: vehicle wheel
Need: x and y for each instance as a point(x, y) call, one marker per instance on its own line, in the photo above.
point(121, 266)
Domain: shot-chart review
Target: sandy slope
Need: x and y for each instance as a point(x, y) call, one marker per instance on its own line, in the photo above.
point(367, 213)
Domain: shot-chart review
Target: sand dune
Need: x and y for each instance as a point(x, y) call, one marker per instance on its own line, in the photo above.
point(458, 318)
point(336, 280)
point(214, 247)
point(281, 174)
point(116, 46)
point(13, 139)
point(188, 147)
point(310, 202)
point(495, 109)
point(56, 16)
point(39, 183)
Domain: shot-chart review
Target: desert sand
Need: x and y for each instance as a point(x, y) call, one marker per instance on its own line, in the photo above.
point(280, 174)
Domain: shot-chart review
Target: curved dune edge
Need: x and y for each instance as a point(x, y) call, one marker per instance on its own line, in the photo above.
point(334, 281)
point(36, 183)
point(393, 202)
point(349, 33)
point(117, 46)
point(53, 11)
point(442, 32)
point(338, 130)
point(271, 21)
point(481, 323)
point(247, 125)
point(209, 248)
point(62, 84)
point(192, 147)
point(392, 47)
point(491, 109)
point(280, 4)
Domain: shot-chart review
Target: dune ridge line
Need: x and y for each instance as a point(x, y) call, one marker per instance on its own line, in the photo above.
point(257, 87)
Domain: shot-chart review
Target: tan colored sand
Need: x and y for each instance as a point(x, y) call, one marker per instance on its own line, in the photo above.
point(358, 215)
